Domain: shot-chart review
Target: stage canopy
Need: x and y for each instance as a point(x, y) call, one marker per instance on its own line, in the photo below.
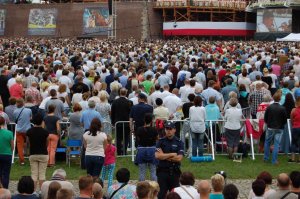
point(290, 37)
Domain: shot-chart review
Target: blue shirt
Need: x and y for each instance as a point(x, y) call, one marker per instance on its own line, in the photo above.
point(212, 112)
point(123, 80)
point(87, 117)
point(138, 112)
point(23, 123)
point(226, 90)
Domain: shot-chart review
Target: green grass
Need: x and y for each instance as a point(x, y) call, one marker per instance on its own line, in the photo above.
point(246, 170)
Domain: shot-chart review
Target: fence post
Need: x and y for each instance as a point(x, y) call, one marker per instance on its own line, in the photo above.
point(15, 141)
point(289, 129)
point(212, 141)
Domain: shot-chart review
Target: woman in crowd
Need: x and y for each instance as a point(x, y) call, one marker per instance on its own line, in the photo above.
point(76, 129)
point(7, 146)
point(232, 126)
point(84, 103)
point(267, 178)
point(244, 94)
point(154, 189)
point(104, 109)
point(146, 138)
point(95, 142)
point(38, 138)
point(51, 124)
point(187, 189)
point(295, 121)
point(53, 188)
point(122, 189)
point(231, 95)
point(4, 115)
point(197, 116)
point(97, 83)
point(217, 183)
point(62, 92)
point(95, 97)
point(25, 189)
point(289, 105)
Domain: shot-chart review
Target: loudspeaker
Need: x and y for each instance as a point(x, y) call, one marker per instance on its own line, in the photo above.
point(110, 7)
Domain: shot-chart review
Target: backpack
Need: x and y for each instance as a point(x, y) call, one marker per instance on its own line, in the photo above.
point(180, 81)
point(159, 124)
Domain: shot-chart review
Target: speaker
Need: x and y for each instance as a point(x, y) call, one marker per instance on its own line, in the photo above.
point(110, 7)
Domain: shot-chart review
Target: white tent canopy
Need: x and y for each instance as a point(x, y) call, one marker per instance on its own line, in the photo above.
point(290, 37)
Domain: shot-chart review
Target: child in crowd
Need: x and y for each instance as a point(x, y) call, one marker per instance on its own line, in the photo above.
point(109, 161)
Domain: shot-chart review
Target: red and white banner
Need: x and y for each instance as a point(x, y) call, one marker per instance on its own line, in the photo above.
point(208, 28)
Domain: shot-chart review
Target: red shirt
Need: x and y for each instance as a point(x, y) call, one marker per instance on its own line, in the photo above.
point(16, 90)
point(295, 116)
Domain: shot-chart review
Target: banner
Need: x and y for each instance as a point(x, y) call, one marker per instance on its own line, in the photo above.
point(96, 21)
point(274, 20)
point(42, 21)
point(2, 21)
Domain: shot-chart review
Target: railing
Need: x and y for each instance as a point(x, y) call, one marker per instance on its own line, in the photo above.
point(213, 127)
point(237, 4)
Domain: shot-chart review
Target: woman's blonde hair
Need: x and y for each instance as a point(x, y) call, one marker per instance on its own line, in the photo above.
point(154, 189)
point(217, 183)
point(103, 97)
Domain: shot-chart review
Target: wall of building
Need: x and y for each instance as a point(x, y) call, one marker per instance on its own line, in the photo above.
point(70, 19)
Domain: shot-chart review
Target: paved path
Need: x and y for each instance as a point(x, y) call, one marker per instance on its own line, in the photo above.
point(243, 186)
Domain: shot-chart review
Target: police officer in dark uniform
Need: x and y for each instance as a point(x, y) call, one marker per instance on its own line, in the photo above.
point(169, 152)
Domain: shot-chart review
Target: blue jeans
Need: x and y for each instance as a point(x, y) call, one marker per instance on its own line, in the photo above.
point(197, 143)
point(5, 165)
point(143, 171)
point(94, 165)
point(272, 134)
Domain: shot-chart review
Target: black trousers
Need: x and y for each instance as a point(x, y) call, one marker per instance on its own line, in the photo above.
point(123, 135)
point(167, 181)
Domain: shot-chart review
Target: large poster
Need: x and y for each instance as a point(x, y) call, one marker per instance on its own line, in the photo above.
point(42, 21)
point(96, 21)
point(274, 20)
point(2, 21)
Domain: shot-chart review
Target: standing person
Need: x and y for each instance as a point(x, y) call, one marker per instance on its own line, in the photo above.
point(197, 115)
point(275, 118)
point(120, 110)
point(295, 121)
point(137, 113)
point(51, 124)
point(232, 126)
point(95, 142)
point(7, 146)
point(104, 109)
point(4, 92)
point(59, 105)
point(255, 99)
point(169, 152)
point(146, 137)
point(38, 140)
point(22, 118)
point(76, 129)
point(109, 161)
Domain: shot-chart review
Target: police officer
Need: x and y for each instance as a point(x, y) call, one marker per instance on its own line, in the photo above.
point(169, 152)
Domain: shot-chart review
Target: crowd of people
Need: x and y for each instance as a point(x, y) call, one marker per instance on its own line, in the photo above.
point(143, 88)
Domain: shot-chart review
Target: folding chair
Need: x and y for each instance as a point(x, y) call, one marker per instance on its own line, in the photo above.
point(73, 150)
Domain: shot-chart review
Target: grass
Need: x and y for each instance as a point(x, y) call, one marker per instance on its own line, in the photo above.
point(248, 169)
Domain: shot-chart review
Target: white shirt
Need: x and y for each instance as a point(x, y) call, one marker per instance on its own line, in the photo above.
point(233, 118)
point(153, 97)
point(66, 81)
point(190, 189)
point(184, 92)
point(58, 73)
point(246, 81)
point(165, 94)
point(197, 119)
point(187, 74)
point(172, 102)
point(94, 144)
point(11, 82)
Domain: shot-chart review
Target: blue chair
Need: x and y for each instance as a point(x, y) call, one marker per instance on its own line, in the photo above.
point(73, 150)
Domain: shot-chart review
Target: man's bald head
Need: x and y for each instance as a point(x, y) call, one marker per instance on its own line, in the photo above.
point(97, 191)
point(203, 188)
point(283, 180)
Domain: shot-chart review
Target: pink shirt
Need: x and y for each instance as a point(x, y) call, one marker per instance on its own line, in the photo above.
point(110, 157)
point(16, 90)
point(276, 69)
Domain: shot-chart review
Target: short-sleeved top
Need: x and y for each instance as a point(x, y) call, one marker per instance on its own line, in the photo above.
point(94, 144)
point(59, 106)
point(146, 136)
point(128, 191)
point(110, 152)
point(216, 196)
point(87, 117)
point(50, 123)
point(174, 145)
point(23, 120)
point(138, 113)
point(6, 137)
point(38, 140)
